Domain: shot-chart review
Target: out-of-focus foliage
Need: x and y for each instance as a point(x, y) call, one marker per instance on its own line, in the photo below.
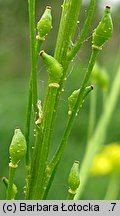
point(14, 72)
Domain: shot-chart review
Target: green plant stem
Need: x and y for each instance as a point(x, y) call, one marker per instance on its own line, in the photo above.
point(68, 22)
point(10, 183)
point(38, 131)
point(113, 187)
point(29, 105)
point(27, 129)
point(27, 134)
point(32, 95)
point(31, 4)
point(84, 31)
point(99, 134)
point(27, 126)
point(66, 31)
point(35, 45)
point(70, 196)
point(70, 13)
point(34, 163)
point(77, 105)
point(49, 179)
point(67, 27)
point(37, 188)
point(64, 37)
point(56, 158)
point(92, 114)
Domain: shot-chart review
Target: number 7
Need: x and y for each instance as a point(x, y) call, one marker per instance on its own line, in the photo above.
point(113, 206)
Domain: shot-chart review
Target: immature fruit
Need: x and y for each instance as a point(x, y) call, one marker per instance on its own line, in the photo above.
point(17, 148)
point(73, 98)
point(74, 179)
point(104, 30)
point(54, 68)
point(45, 23)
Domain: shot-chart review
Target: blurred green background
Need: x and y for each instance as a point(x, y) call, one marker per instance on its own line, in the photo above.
point(14, 78)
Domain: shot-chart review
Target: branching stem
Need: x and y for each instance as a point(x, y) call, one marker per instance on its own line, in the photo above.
point(83, 33)
point(56, 158)
point(98, 137)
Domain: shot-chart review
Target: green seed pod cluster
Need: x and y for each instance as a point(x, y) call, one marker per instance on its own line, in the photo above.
point(100, 76)
point(14, 187)
point(104, 30)
point(17, 148)
point(73, 98)
point(54, 68)
point(45, 23)
point(74, 179)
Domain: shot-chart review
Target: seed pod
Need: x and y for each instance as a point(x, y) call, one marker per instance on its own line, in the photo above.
point(17, 148)
point(45, 23)
point(74, 179)
point(73, 98)
point(55, 69)
point(104, 30)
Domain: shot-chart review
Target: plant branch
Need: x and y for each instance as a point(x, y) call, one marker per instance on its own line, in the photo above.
point(92, 114)
point(29, 104)
point(10, 183)
point(27, 125)
point(37, 187)
point(83, 33)
point(67, 26)
point(32, 95)
point(78, 102)
point(35, 45)
point(31, 4)
point(113, 187)
point(56, 158)
point(98, 138)
point(68, 23)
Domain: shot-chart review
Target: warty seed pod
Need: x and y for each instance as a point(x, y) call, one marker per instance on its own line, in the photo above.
point(74, 179)
point(104, 30)
point(17, 148)
point(73, 98)
point(54, 68)
point(45, 23)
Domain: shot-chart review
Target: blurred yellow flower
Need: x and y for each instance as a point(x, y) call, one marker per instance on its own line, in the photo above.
point(112, 151)
point(108, 160)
